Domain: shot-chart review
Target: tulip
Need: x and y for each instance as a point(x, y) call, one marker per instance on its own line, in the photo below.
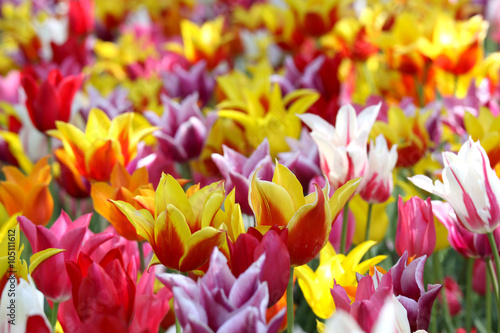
point(308, 219)
point(81, 16)
point(220, 302)
point(453, 295)
point(470, 185)
point(64, 234)
point(371, 293)
point(391, 318)
point(29, 194)
point(462, 240)
point(415, 231)
point(105, 142)
point(302, 159)
point(123, 186)
point(102, 292)
point(276, 267)
point(342, 149)
point(377, 183)
point(51, 100)
point(178, 224)
point(183, 128)
point(408, 286)
point(150, 307)
point(28, 314)
point(236, 169)
point(316, 285)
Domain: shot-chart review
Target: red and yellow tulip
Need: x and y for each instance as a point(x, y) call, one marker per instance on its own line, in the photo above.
point(178, 224)
point(104, 143)
point(28, 194)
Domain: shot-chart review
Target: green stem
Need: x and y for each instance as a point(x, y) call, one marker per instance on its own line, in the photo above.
point(493, 279)
point(289, 303)
point(439, 275)
point(488, 304)
point(177, 325)
point(141, 256)
point(53, 315)
point(344, 228)
point(368, 221)
point(494, 249)
point(468, 295)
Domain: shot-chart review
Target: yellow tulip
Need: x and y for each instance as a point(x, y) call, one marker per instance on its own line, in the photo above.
point(316, 285)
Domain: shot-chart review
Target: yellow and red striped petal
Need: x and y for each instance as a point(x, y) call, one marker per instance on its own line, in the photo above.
point(171, 235)
point(308, 230)
point(200, 246)
point(270, 202)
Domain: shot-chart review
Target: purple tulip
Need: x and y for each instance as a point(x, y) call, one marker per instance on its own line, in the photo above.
point(237, 168)
point(408, 286)
point(302, 159)
point(183, 83)
point(371, 294)
point(218, 302)
point(114, 104)
point(183, 128)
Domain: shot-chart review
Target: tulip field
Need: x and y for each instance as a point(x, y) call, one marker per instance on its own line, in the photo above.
point(250, 166)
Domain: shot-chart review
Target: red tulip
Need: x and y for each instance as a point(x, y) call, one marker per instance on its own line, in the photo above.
point(276, 267)
point(51, 100)
point(81, 16)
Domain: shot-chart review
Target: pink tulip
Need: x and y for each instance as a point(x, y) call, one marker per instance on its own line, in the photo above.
point(415, 231)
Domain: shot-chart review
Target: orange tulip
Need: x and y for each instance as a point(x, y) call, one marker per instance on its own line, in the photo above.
point(28, 195)
point(124, 187)
point(180, 228)
point(308, 219)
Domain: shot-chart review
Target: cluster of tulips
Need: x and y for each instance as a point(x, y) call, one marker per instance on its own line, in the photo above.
point(249, 166)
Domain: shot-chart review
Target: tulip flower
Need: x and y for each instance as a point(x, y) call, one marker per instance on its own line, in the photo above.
point(208, 42)
point(123, 186)
point(377, 183)
point(302, 159)
point(470, 185)
point(453, 295)
point(276, 267)
point(408, 132)
point(29, 194)
point(415, 231)
point(308, 219)
point(104, 143)
point(28, 314)
point(391, 318)
point(462, 240)
point(183, 128)
point(182, 83)
point(342, 149)
point(150, 307)
point(236, 169)
point(81, 16)
point(316, 285)
point(220, 302)
point(64, 234)
point(371, 293)
point(408, 286)
point(178, 224)
point(51, 100)
point(91, 280)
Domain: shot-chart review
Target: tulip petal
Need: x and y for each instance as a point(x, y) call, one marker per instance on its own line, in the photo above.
point(199, 247)
point(285, 178)
point(341, 196)
point(270, 203)
point(308, 230)
point(171, 235)
point(169, 191)
point(142, 220)
point(39, 257)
